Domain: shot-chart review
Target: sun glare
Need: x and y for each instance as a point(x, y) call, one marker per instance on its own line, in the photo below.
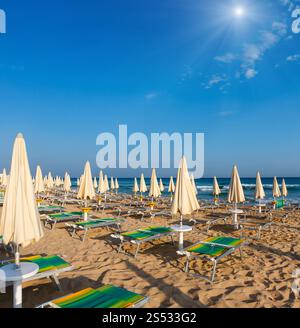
point(239, 11)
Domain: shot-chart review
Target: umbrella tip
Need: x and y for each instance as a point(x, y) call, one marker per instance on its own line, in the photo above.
point(20, 135)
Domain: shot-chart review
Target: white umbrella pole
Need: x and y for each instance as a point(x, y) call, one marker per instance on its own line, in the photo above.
point(85, 211)
point(17, 257)
point(235, 215)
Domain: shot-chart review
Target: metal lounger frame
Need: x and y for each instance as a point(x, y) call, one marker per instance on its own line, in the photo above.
point(192, 256)
point(125, 239)
point(53, 222)
point(95, 226)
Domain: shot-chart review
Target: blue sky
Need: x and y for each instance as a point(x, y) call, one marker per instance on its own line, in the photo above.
point(70, 70)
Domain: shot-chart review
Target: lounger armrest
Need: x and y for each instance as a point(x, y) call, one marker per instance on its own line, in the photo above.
point(117, 237)
point(183, 253)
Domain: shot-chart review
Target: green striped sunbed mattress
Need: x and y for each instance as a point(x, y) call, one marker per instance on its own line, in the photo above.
point(146, 233)
point(47, 263)
point(65, 216)
point(280, 204)
point(214, 246)
point(95, 222)
point(105, 297)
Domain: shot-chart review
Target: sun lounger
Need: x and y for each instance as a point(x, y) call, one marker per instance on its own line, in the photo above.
point(280, 204)
point(259, 224)
point(212, 249)
point(107, 297)
point(49, 267)
point(50, 209)
point(86, 226)
point(53, 219)
point(141, 236)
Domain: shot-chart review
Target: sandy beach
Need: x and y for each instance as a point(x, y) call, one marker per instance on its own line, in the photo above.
point(262, 279)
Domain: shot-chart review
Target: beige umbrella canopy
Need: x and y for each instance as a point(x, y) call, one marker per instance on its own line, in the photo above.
point(216, 188)
point(154, 187)
point(161, 186)
point(284, 189)
point(112, 183)
point(276, 189)
point(185, 201)
point(50, 182)
point(95, 183)
point(143, 186)
point(4, 178)
point(101, 184)
point(117, 185)
point(20, 221)
point(236, 192)
point(171, 186)
point(39, 186)
point(86, 190)
point(106, 183)
point(135, 186)
point(194, 184)
point(67, 183)
point(259, 190)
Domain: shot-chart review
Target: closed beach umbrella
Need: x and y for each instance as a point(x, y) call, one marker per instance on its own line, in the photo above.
point(284, 189)
point(39, 186)
point(117, 185)
point(154, 187)
point(171, 186)
point(276, 189)
point(236, 192)
point(45, 182)
point(101, 184)
point(216, 188)
point(78, 182)
point(143, 186)
point(67, 183)
point(50, 182)
point(194, 184)
point(259, 190)
point(161, 186)
point(106, 183)
point(86, 190)
point(20, 221)
point(95, 183)
point(185, 201)
point(112, 183)
point(4, 178)
point(135, 186)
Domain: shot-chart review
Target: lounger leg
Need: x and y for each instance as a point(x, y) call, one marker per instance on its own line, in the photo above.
point(74, 232)
point(187, 266)
point(259, 233)
point(214, 271)
point(173, 242)
point(55, 280)
point(241, 253)
point(137, 251)
point(85, 234)
point(120, 247)
point(54, 225)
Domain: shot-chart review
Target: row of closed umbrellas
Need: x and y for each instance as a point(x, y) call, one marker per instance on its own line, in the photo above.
point(20, 222)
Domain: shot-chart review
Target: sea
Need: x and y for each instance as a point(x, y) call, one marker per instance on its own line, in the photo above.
point(205, 187)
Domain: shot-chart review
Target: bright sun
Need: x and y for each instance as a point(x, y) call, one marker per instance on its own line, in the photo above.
point(239, 11)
